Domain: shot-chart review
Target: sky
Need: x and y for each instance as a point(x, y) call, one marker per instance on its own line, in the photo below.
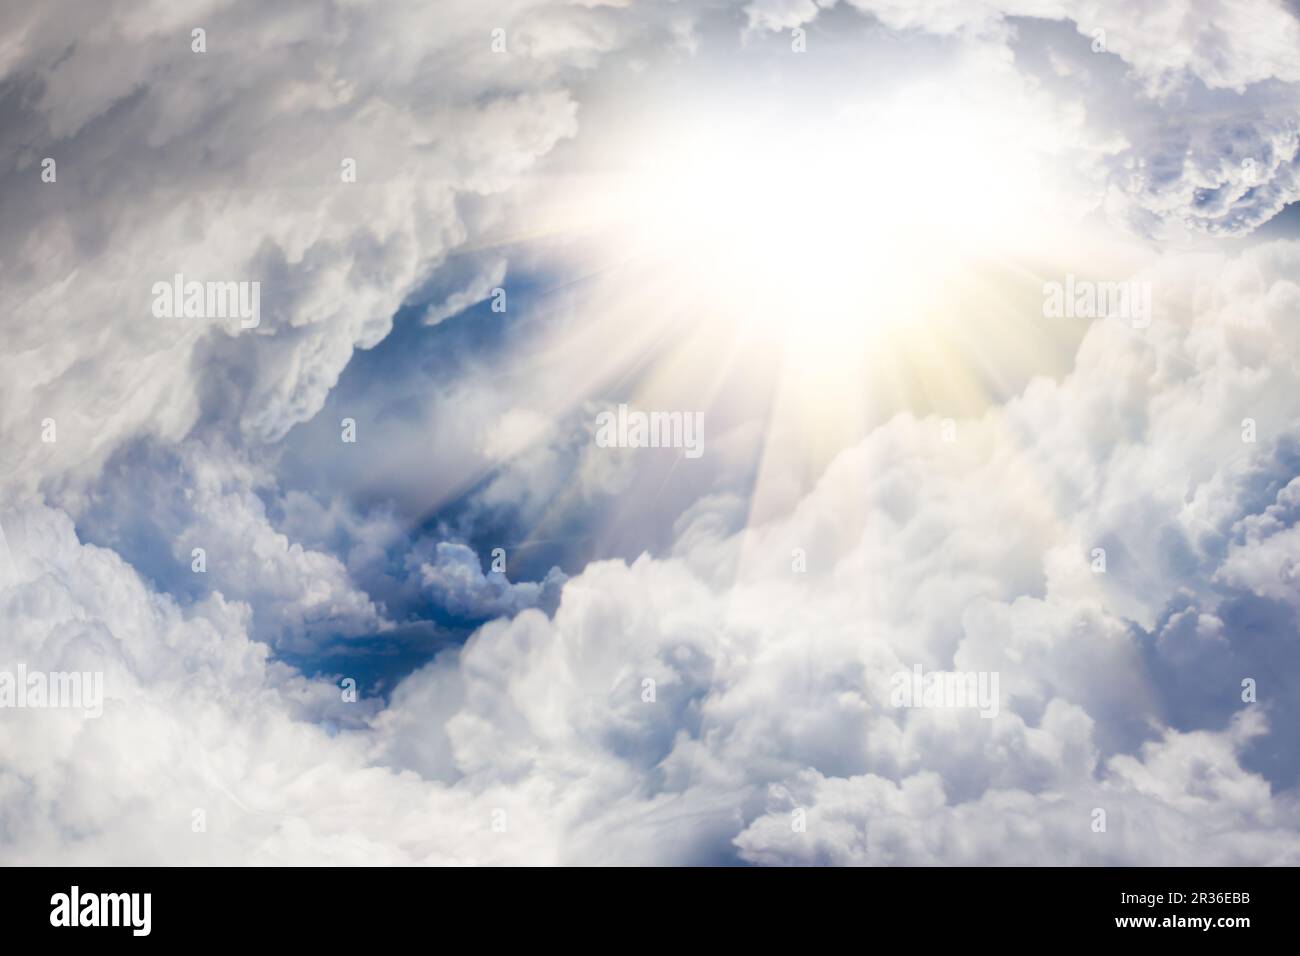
point(368, 583)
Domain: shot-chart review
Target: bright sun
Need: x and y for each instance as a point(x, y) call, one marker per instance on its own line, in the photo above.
point(839, 262)
point(777, 234)
point(823, 230)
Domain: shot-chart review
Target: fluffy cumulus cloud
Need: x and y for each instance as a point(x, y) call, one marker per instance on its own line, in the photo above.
point(770, 687)
point(1225, 165)
point(225, 166)
point(726, 695)
point(193, 517)
point(1224, 45)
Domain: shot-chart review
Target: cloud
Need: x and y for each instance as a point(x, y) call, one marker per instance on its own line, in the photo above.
point(160, 504)
point(171, 161)
point(1224, 164)
point(1225, 45)
point(778, 680)
point(456, 581)
point(781, 14)
point(869, 820)
point(196, 718)
point(770, 684)
point(671, 706)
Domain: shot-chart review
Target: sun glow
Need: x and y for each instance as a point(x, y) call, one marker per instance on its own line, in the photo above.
point(821, 266)
point(826, 234)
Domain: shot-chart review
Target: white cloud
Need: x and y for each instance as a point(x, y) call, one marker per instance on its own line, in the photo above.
point(970, 555)
point(163, 505)
point(1148, 802)
point(769, 683)
point(171, 161)
point(1190, 155)
point(455, 579)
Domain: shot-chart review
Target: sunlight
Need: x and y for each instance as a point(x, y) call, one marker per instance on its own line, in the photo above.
point(828, 227)
point(826, 266)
